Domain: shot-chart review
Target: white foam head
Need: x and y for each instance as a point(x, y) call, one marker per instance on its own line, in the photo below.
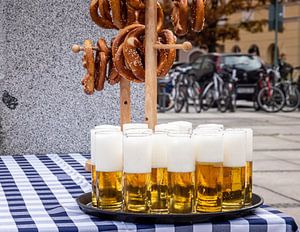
point(129, 126)
point(234, 148)
point(108, 127)
point(137, 151)
point(162, 128)
point(249, 142)
point(210, 126)
point(209, 146)
point(108, 151)
point(183, 125)
point(180, 153)
point(159, 150)
point(100, 128)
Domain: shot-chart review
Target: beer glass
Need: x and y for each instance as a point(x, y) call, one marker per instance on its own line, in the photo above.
point(137, 150)
point(93, 154)
point(209, 152)
point(181, 171)
point(234, 169)
point(159, 175)
point(109, 166)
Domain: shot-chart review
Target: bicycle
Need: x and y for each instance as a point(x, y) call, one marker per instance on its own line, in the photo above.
point(269, 98)
point(291, 95)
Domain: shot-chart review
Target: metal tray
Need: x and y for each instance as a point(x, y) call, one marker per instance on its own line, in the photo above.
point(84, 202)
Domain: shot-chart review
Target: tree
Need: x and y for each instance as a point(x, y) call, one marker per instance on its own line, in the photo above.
point(216, 27)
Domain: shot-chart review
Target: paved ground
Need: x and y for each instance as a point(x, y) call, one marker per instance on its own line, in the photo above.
point(276, 152)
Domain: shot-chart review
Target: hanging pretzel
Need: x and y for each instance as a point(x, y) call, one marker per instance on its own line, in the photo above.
point(105, 9)
point(166, 56)
point(89, 64)
point(179, 17)
point(197, 15)
point(99, 19)
point(136, 4)
point(101, 61)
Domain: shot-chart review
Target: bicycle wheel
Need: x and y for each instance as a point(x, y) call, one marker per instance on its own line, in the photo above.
point(207, 100)
point(292, 99)
point(196, 96)
point(164, 102)
point(270, 99)
point(224, 101)
point(179, 100)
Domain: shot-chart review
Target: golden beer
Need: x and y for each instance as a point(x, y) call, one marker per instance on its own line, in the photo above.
point(181, 192)
point(109, 189)
point(137, 192)
point(248, 184)
point(233, 188)
point(159, 190)
point(94, 186)
point(209, 178)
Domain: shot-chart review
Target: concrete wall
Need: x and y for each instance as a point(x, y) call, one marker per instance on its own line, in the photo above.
point(41, 78)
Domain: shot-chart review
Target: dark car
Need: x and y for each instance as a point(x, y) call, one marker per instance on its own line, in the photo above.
point(249, 69)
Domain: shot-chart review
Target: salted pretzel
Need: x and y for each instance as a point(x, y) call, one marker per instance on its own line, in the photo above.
point(197, 15)
point(133, 51)
point(166, 57)
point(89, 64)
point(102, 58)
point(117, 8)
point(114, 76)
point(179, 17)
point(100, 20)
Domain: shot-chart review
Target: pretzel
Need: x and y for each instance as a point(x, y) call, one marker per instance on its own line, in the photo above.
point(102, 58)
point(117, 8)
point(114, 76)
point(104, 8)
point(166, 56)
point(198, 15)
point(179, 17)
point(136, 4)
point(89, 64)
point(98, 19)
point(133, 51)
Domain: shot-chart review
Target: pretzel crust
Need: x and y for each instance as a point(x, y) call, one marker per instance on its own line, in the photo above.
point(198, 15)
point(89, 64)
point(98, 19)
point(179, 17)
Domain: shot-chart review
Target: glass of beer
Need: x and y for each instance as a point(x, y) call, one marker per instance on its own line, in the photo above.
point(93, 154)
point(109, 166)
point(209, 152)
point(159, 175)
point(137, 151)
point(249, 167)
point(234, 169)
point(181, 171)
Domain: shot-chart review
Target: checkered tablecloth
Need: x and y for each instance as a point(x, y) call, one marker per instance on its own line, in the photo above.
point(37, 193)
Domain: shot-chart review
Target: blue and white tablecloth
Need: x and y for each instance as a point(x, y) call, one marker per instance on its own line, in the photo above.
point(37, 193)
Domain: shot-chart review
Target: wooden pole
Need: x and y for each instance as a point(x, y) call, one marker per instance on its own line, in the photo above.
point(150, 63)
point(125, 115)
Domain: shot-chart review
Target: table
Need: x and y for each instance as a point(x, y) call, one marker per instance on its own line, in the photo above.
point(37, 193)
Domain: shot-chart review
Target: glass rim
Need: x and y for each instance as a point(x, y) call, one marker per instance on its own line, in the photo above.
point(137, 132)
point(208, 132)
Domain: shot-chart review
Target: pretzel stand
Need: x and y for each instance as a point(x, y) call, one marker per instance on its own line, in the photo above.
point(151, 47)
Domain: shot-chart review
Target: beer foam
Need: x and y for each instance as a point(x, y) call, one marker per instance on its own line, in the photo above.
point(92, 134)
point(182, 125)
point(108, 151)
point(209, 147)
point(129, 126)
point(180, 154)
point(234, 148)
point(108, 127)
point(159, 150)
point(211, 125)
point(137, 152)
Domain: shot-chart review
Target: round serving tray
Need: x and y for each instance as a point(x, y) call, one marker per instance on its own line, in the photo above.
point(84, 202)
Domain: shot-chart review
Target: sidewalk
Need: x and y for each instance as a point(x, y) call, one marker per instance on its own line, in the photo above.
point(276, 152)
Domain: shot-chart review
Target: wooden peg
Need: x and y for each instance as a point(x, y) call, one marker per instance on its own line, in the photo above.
point(186, 46)
point(77, 48)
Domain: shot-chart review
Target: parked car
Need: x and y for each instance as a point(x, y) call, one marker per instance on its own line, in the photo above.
point(248, 68)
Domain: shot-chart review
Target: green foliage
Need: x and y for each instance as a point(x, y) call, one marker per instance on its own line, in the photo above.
point(216, 26)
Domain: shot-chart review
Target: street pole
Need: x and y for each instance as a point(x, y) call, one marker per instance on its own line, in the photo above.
point(275, 62)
